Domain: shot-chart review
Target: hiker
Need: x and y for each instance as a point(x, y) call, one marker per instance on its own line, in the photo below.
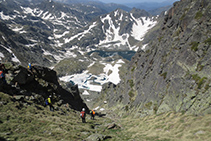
point(83, 115)
point(50, 103)
point(2, 76)
point(92, 112)
point(30, 68)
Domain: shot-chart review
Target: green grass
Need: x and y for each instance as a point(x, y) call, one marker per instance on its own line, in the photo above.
point(30, 123)
point(169, 126)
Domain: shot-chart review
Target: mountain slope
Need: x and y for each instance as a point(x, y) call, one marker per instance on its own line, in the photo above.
point(173, 73)
point(40, 24)
point(51, 31)
point(118, 30)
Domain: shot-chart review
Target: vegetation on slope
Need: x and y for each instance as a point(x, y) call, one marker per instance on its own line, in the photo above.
point(24, 120)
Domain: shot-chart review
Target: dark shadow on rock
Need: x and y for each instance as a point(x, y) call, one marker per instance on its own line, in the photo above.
point(107, 137)
point(2, 139)
point(42, 82)
point(100, 115)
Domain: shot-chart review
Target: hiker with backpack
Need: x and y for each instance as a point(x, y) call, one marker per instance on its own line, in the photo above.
point(83, 115)
point(92, 112)
point(30, 68)
point(2, 76)
point(49, 102)
point(2, 73)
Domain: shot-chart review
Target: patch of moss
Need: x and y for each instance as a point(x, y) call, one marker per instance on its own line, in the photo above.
point(155, 108)
point(160, 38)
point(208, 41)
point(200, 67)
point(131, 94)
point(182, 17)
point(148, 51)
point(198, 15)
point(133, 69)
point(207, 86)
point(177, 32)
point(196, 77)
point(148, 105)
point(126, 108)
point(131, 83)
point(201, 82)
point(194, 46)
point(164, 75)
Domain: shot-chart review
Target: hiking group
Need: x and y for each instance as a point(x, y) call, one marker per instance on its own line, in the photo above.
point(83, 115)
point(48, 101)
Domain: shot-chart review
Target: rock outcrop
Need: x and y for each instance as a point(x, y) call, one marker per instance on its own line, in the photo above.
point(173, 72)
point(39, 83)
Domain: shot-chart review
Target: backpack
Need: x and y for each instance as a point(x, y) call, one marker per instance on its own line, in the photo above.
point(46, 101)
point(1, 74)
point(49, 100)
point(82, 114)
point(92, 112)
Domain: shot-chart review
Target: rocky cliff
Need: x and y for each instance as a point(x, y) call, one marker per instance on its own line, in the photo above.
point(173, 72)
point(38, 84)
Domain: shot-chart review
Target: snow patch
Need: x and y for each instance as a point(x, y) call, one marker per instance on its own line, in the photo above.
point(1, 55)
point(5, 17)
point(141, 26)
point(85, 93)
point(87, 81)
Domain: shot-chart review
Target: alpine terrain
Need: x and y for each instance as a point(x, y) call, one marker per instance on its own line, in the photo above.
point(146, 76)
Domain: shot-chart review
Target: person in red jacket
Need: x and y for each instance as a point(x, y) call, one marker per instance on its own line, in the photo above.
point(2, 76)
point(83, 115)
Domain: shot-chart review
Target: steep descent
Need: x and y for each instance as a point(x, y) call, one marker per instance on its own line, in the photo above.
point(173, 72)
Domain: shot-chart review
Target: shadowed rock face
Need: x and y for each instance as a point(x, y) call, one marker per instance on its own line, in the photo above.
point(173, 73)
point(41, 82)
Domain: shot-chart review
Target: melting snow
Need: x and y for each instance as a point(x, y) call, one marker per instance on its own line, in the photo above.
point(144, 47)
point(14, 58)
point(5, 17)
point(141, 27)
point(17, 29)
point(59, 36)
point(28, 10)
point(1, 55)
point(85, 79)
point(85, 93)
point(112, 33)
point(80, 35)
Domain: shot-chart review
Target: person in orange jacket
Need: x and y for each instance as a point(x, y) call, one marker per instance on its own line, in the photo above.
point(92, 112)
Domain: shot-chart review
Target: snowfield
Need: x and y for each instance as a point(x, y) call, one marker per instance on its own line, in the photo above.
point(90, 82)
